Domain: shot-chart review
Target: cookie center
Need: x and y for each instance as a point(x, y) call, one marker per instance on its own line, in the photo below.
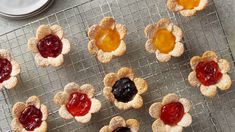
point(188, 4)
point(5, 69)
point(50, 46)
point(208, 72)
point(164, 41)
point(124, 90)
point(107, 40)
point(79, 104)
point(172, 113)
point(122, 129)
point(31, 118)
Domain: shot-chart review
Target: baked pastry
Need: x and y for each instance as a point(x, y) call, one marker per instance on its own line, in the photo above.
point(187, 7)
point(164, 40)
point(49, 45)
point(77, 102)
point(9, 69)
point(124, 89)
point(209, 72)
point(29, 116)
point(106, 39)
point(171, 114)
point(118, 124)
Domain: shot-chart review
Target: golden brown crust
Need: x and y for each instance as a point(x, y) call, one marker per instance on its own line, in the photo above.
point(133, 124)
point(33, 100)
point(18, 108)
point(110, 79)
point(155, 110)
point(122, 30)
point(61, 98)
point(141, 85)
point(107, 22)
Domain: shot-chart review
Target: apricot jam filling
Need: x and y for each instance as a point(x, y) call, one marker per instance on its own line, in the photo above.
point(164, 41)
point(208, 72)
point(188, 4)
point(79, 104)
point(5, 69)
point(31, 118)
point(172, 113)
point(107, 40)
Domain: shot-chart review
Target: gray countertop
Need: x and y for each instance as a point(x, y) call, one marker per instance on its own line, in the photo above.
point(225, 8)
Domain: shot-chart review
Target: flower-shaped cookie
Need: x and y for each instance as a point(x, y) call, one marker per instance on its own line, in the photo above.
point(118, 124)
point(106, 39)
point(124, 89)
point(164, 40)
point(29, 116)
point(209, 72)
point(187, 7)
point(77, 102)
point(171, 114)
point(49, 45)
point(9, 69)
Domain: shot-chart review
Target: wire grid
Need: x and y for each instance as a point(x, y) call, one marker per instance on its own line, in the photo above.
point(201, 32)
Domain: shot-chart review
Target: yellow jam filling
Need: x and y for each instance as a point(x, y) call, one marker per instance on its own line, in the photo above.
point(107, 40)
point(188, 4)
point(164, 41)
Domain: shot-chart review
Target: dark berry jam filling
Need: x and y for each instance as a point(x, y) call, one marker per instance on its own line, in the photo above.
point(50, 46)
point(31, 118)
point(208, 72)
point(5, 69)
point(172, 113)
point(79, 104)
point(122, 129)
point(124, 90)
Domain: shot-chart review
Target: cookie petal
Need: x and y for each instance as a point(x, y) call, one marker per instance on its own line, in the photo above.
point(104, 57)
point(88, 89)
point(210, 55)
point(83, 119)
point(172, 97)
point(107, 92)
point(158, 126)
point(209, 91)
point(57, 30)
point(16, 126)
point(155, 110)
point(121, 50)
point(225, 82)
point(66, 46)
point(175, 128)
point(110, 79)
point(122, 30)
point(173, 5)
point(107, 22)
point(61, 98)
point(95, 105)
point(177, 32)
point(43, 31)
point(32, 44)
point(15, 68)
point(10, 83)
point(186, 103)
point(92, 48)
point(178, 50)
point(44, 112)
point(149, 31)
point(224, 65)
point(5, 54)
point(163, 23)
point(186, 120)
point(194, 61)
point(92, 31)
point(137, 102)
point(141, 85)
point(125, 72)
point(163, 57)
point(17, 109)
point(192, 79)
point(123, 106)
point(202, 5)
point(63, 112)
point(149, 46)
point(59, 60)
point(188, 12)
point(71, 87)
point(133, 124)
point(105, 129)
point(117, 122)
point(33, 100)
point(41, 61)
point(42, 127)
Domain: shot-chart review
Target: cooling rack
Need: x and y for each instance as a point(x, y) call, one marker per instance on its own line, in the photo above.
point(201, 32)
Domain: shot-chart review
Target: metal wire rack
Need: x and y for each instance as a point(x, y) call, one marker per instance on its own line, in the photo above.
point(201, 32)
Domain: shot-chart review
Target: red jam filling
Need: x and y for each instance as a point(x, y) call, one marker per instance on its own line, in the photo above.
point(79, 104)
point(172, 113)
point(31, 118)
point(208, 72)
point(50, 46)
point(5, 69)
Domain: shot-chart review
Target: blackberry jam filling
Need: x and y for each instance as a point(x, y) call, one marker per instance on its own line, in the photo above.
point(5, 69)
point(122, 129)
point(124, 90)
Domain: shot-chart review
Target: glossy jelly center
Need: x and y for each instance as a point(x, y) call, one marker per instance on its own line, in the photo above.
point(208, 72)
point(172, 113)
point(79, 104)
point(124, 90)
point(50, 46)
point(164, 41)
point(5, 69)
point(188, 4)
point(122, 129)
point(31, 118)
point(107, 40)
